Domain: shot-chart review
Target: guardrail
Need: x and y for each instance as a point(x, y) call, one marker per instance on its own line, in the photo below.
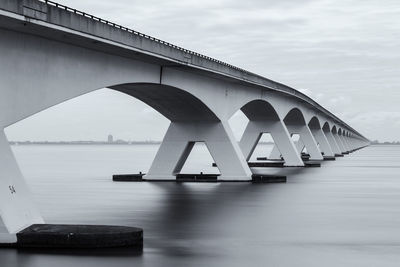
point(75, 11)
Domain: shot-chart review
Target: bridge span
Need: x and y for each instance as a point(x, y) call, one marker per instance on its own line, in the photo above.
point(50, 53)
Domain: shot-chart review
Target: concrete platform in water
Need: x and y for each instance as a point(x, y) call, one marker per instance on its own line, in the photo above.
point(201, 178)
point(78, 236)
point(329, 158)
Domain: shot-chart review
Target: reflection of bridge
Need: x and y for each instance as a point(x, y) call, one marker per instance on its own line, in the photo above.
point(50, 53)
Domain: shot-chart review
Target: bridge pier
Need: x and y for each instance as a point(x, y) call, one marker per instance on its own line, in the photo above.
point(331, 140)
point(280, 134)
point(179, 141)
point(339, 143)
point(320, 138)
point(300, 146)
point(275, 153)
point(17, 208)
point(322, 141)
point(346, 144)
point(307, 139)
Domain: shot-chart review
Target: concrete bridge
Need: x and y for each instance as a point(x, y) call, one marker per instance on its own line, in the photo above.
point(50, 53)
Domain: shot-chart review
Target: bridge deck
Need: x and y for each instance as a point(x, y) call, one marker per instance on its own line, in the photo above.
point(55, 21)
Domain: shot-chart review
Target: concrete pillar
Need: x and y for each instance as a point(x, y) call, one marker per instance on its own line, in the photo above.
point(279, 133)
point(322, 140)
point(345, 146)
point(17, 207)
point(332, 142)
point(348, 142)
point(299, 146)
point(275, 153)
point(339, 142)
point(179, 141)
point(307, 138)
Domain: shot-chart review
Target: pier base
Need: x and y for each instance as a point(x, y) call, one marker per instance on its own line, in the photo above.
point(312, 164)
point(207, 178)
point(78, 236)
point(260, 179)
point(128, 177)
point(277, 164)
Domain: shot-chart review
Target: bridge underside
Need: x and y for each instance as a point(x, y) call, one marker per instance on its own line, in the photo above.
point(37, 72)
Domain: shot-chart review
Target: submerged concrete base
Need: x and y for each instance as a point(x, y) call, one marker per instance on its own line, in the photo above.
point(204, 178)
point(265, 158)
point(128, 177)
point(261, 178)
point(197, 177)
point(277, 164)
point(78, 236)
point(312, 164)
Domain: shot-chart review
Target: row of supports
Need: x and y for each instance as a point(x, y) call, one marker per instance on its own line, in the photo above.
point(232, 158)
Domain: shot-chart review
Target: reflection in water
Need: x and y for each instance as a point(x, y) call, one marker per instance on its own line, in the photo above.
point(341, 214)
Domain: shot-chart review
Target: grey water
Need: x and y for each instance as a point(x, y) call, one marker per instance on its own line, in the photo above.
point(346, 213)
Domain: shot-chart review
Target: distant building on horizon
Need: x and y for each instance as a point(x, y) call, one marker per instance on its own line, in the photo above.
point(110, 138)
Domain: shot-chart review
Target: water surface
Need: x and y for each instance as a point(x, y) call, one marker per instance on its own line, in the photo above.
point(345, 213)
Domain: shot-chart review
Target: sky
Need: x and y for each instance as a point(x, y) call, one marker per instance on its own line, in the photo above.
point(345, 54)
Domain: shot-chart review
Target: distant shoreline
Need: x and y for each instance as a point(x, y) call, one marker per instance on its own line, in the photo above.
point(24, 143)
point(121, 142)
point(17, 143)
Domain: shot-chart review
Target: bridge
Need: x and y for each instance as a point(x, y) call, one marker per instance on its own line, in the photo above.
point(51, 53)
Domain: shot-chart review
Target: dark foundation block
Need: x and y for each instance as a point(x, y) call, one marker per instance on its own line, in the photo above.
point(79, 236)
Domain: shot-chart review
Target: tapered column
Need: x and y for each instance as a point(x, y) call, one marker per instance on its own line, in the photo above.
point(307, 138)
point(17, 208)
point(322, 141)
point(351, 141)
point(339, 142)
point(332, 142)
point(179, 141)
point(275, 153)
point(348, 144)
point(279, 133)
point(299, 146)
point(345, 146)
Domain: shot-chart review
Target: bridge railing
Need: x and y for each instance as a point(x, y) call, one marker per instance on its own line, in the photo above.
point(75, 11)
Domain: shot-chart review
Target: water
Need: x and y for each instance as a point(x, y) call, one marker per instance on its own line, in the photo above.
point(345, 213)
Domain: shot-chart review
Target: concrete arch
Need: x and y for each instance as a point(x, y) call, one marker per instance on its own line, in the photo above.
point(174, 103)
point(297, 124)
point(328, 132)
point(263, 118)
point(319, 135)
point(314, 123)
point(334, 129)
point(259, 110)
point(336, 132)
point(294, 116)
point(326, 127)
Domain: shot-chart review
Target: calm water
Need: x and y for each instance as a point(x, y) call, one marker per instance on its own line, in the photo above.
point(346, 213)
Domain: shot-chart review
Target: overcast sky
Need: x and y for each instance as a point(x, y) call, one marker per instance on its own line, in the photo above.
point(345, 54)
